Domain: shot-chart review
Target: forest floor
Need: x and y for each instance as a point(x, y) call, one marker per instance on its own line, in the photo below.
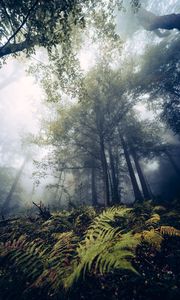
point(91, 253)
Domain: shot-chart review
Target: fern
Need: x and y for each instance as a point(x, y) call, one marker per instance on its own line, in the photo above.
point(169, 230)
point(58, 260)
point(105, 221)
point(159, 209)
point(154, 237)
point(42, 264)
point(104, 248)
point(153, 220)
point(151, 237)
point(26, 256)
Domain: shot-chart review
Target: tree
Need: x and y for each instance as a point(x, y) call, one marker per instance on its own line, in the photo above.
point(137, 193)
point(83, 129)
point(26, 24)
point(90, 130)
point(114, 172)
point(159, 77)
point(142, 139)
point(145, 189)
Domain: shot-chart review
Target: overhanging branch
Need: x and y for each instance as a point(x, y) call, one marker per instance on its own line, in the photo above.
point(20, 46)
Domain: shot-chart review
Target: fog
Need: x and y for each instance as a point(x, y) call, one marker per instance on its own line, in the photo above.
point(22, 110)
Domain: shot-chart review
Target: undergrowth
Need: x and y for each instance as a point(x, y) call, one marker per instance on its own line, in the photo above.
point(118, 253)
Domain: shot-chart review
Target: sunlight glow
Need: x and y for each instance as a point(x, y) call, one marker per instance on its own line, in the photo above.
point(87, 57)
point(152, 166)
point(20, 98)
point(144, 113)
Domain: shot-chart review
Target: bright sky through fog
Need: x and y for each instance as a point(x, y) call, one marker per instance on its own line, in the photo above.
point(87, 57)
point(144, 112)
point(19, 98)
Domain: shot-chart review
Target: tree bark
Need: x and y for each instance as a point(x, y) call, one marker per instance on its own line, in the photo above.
point(137, 193)
point(115, 192)
point(93, 186)
point(105, 172)
point(15, 48)
point(100, 130)
point(146, 193)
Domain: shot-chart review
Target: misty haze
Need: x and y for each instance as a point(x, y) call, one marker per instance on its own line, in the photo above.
point(89, 149)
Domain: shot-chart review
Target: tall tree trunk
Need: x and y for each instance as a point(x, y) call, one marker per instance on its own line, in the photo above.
point(93, 186)
point(137, 193)
point(105, 172)
point(142, 179)
point(100, 128)
point(172, 162)
point(115, 192)
point(6, 204)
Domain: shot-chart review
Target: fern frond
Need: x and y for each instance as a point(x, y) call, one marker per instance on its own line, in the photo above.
point(169, 230)
point(58, 262)
point(155, 219)
point(159, 208)
point(24, 255)
point(102, 224)
point(152, 237)
point(104, 247)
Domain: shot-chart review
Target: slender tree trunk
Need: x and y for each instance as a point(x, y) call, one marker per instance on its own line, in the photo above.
point(115, 192)
point(105, 172)
point(93, 186)
point(100, 128)
point(172, 162)
point(57, 188)
point(110, 186)
point(6, 204)
point(137, 193)
point(142, 179)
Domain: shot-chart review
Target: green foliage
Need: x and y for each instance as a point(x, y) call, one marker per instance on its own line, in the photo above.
point(159, 76)
point(104, 247)
point(26, 255)
point(27, 24)
point(52, 257)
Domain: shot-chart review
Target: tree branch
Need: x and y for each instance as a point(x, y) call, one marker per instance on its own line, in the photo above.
point(168, 22)
point(16, 32)
point(152, 22)
point(14, 48)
